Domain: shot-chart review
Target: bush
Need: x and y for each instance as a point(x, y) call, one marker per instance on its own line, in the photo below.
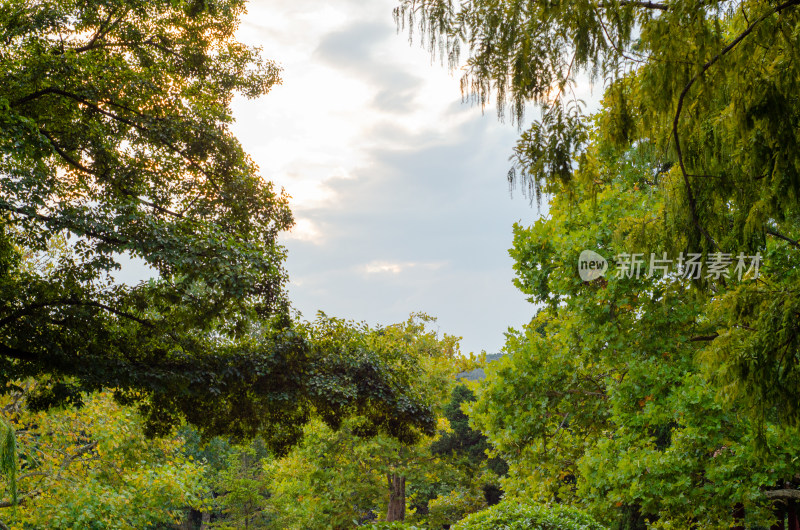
point(445, 510)
point(513, 515)
point(393, 526)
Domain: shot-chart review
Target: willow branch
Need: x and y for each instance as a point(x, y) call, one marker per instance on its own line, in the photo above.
point(633, 3)
point(785, 238)
point(685, 92)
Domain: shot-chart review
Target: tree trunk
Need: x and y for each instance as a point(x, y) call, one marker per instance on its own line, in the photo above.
point(792, 516)
point(738, 517)
point(205, 521)
point(186, 523)
point(779, 523)
point(397, 498)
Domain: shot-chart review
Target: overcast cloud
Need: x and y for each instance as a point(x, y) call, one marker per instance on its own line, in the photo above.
point(397, 187)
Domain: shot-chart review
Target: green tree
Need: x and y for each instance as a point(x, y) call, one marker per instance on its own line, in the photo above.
point(8, 458)
point(476, 485)
point(462, 440)
point(93, 467)
point(242, 488)
point(705, 91)
point(355, 474)
point(634, 393)
point(603, 401)
point(114, 137)
point(520, 516)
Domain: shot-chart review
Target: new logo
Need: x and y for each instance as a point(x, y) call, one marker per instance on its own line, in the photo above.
point(591, 265)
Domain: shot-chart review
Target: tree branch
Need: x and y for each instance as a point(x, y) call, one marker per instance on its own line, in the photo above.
point(77, 165)
point(556, 393)
point(20, 355)
point(701, 338)
point(786, 494)
point(633, 3)
point(781, 236)
point(68, 459)
point(71, 161)
point(685, 92)
point(74, 302)
point(82, 450)
point(63, 224)
point(116, 117)
point(104, 29)
point(20, 500)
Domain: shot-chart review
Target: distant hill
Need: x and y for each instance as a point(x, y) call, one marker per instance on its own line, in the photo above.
point(478, 373)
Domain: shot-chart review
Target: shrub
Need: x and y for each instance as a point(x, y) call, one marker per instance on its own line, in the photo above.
point(393, 526)
point(513, 515)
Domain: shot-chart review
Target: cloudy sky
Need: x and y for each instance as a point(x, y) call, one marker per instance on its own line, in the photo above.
point(397, 187)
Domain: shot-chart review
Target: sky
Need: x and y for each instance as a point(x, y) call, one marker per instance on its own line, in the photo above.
point(398, 188)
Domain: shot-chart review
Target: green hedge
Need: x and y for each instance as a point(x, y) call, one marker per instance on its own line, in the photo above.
point(513, 515)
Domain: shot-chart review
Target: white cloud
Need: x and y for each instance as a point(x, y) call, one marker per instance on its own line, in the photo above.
point(396, 186)
point(304, 230)
point(346, 73)
point(378, 267)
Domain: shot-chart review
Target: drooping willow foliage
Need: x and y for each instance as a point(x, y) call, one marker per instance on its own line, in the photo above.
point(704, 95)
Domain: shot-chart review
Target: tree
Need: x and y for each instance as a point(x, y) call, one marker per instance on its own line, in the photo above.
point(93, 468)
point(603, 400)
point(242, 488)
point(466, 449)
point(356, 474)
point(704, 90)
point(634, 393)
point(115, 140)
point(8, 458)
point(462, 440)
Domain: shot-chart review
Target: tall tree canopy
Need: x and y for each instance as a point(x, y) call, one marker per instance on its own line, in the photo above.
point(610, 398)
point(115, 141)
point(603, 400)
point(706, 93)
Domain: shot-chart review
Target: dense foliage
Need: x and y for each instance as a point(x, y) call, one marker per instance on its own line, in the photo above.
point(603, 398)
point(704, 93)
point(340, 479)
point(660, 391)
point(92, 467)
point(512, 515)
point(115, 142)
point(661, 397)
